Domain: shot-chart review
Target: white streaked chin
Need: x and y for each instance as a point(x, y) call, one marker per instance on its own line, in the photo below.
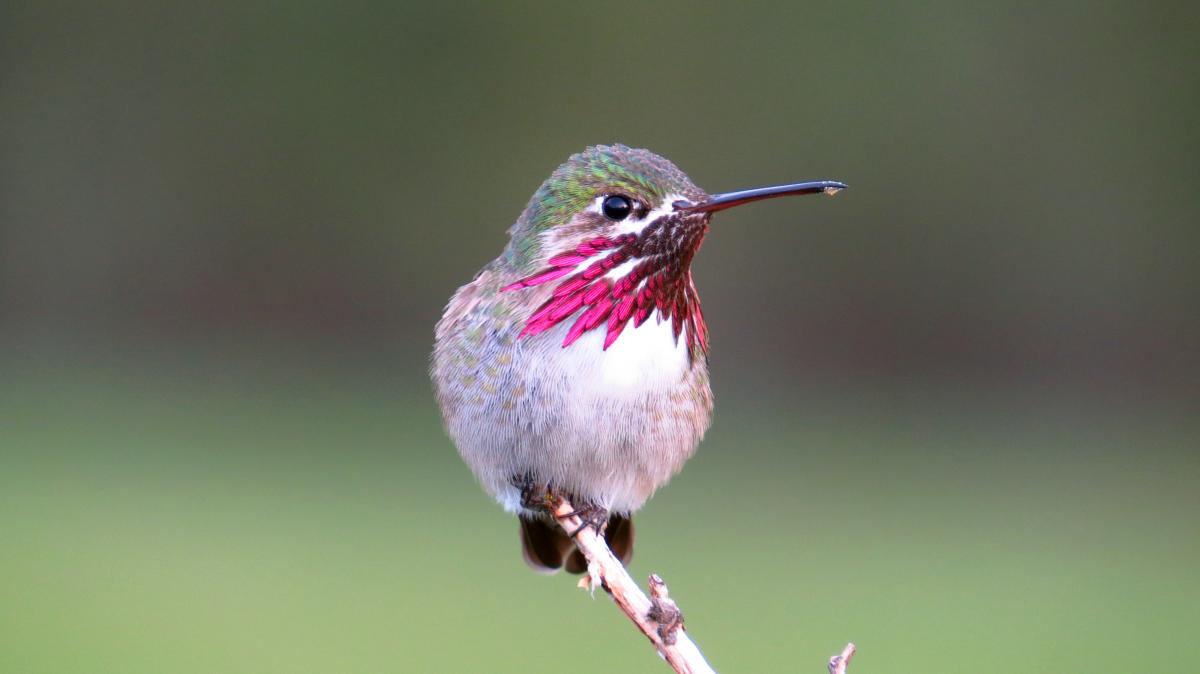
point(627, 226)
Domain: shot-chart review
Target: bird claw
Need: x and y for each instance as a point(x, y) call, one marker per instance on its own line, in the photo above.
point(593, 516)
point(539, 497)
point(534, 495)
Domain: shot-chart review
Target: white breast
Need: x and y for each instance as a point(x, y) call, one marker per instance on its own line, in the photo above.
point(644, 359)
point(605, 428)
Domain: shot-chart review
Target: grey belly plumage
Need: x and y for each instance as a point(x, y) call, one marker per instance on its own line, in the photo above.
point(584, 420)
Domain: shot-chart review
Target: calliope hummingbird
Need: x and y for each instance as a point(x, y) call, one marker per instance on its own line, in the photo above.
point(576, 363)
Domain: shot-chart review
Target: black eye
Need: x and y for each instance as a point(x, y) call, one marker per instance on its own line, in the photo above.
point(616, 207)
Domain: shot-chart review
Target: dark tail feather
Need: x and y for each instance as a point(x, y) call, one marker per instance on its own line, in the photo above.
point(618, 535)
point(544, 545)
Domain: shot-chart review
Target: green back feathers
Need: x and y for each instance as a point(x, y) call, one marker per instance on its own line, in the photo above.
point(601, 169)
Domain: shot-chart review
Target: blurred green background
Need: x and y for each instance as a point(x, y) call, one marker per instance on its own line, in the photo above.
point(957, 416)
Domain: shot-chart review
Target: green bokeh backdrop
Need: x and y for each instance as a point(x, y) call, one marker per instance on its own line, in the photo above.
point(957, 416)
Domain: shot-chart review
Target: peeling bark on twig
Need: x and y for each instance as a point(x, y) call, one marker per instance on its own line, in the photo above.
point(839, 662)
point(656, 615)
point(658, 618)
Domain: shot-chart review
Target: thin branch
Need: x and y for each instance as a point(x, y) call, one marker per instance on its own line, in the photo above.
point(839, 662)
point(658, 617)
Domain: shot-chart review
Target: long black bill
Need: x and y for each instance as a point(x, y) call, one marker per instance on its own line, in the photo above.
point(719, 202)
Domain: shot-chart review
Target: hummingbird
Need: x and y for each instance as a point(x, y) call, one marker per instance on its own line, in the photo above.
point(576, 362)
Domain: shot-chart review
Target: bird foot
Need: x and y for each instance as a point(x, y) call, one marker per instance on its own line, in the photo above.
point(534, 495)
point(539, 497)
point(590, 515)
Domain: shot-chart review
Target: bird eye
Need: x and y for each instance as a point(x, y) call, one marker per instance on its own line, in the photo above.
point(616, 207)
